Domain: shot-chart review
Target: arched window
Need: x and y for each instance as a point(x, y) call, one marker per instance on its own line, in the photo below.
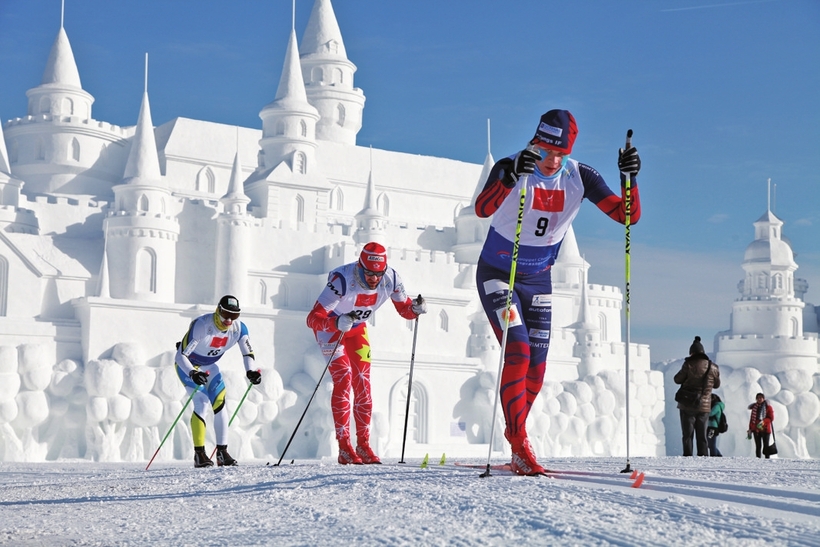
point(418, 410)
point(262, 293)
point(337, 199)
point(340, 114)
point(383, 204)
point(317, 75)
point(777, 281)
point(332, 46)
point(303, 129)
point(206, 180)
point(762, 281)
point(795, 327)
point(299, 163)
point(146, 274)
point(284, 295)
point(143, 203)
point(443, 321)
point(75, 149)
point(298, 212)
point(41, 149)
point(602, 326)
point(67, 107)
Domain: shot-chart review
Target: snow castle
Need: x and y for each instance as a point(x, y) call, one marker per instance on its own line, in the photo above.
point(114, 238)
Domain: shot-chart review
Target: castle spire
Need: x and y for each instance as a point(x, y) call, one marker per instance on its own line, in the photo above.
point(369, 221)
point(289, 121)
point(142, 166)
point(328, 77)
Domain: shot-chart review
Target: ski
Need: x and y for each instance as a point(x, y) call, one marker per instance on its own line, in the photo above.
point(636, 478)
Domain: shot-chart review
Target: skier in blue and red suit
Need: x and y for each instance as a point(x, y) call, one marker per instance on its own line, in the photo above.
point(556, 186)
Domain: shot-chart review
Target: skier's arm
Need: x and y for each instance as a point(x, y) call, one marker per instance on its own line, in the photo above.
point(319, 317)
point(246, 349)
point(402, 302)
point(496, 189)
point(184, 348)
point(596, 191)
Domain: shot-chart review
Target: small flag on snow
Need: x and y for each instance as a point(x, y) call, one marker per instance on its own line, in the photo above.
point(443, 459)
point(424, 461)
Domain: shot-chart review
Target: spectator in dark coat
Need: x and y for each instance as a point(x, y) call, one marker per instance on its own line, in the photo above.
point(694, 419)
point(760, 423)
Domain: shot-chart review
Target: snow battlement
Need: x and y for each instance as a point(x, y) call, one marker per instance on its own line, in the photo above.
point(70, 120)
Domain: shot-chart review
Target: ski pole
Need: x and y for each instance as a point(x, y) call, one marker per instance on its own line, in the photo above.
point(172, 426)
point(508, 310)
point(628, 244)
point(410, 383)
point(330, 359)
point(235, 412)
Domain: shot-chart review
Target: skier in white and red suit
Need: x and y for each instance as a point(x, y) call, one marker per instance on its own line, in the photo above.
point(353, 293)
point(556, 186)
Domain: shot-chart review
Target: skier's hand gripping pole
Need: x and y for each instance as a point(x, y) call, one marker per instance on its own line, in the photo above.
point(419, 302)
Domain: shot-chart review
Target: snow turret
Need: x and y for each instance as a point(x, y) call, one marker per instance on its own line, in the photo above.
point(141, 229)
point(233, 239)
point(370, 223)
point(328, 77)
point(60, 92)
point(56, 147)
point(289, 122)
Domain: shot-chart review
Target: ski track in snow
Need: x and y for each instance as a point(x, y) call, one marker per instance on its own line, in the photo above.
point(683, 501)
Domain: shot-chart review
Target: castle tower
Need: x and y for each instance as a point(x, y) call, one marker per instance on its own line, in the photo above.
point(233, 239)
point(57, 147)
point(141, 230)
point(289, 122)
point(370, 223)
point(328, 77)
point(766, 328)
point(767, 299)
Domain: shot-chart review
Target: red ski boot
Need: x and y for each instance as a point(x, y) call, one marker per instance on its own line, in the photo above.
point(366, 453)
point(523, 458)
point(346, 453)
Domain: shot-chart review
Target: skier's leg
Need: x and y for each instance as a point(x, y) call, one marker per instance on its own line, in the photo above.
point(340, 372)
point(358, 349)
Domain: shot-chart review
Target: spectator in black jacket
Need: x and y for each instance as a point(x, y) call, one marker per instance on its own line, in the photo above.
point(699, 373)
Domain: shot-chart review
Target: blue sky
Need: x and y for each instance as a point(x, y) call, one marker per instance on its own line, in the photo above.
point(722, 95)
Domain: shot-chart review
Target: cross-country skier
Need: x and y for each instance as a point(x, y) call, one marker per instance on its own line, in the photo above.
point(352, 295)
point(208, 338)
point(556, 186)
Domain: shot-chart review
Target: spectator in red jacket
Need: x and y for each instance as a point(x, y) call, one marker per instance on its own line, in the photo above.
point(760, 423)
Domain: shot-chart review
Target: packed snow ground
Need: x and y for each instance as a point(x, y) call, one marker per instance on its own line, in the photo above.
point(683, 501)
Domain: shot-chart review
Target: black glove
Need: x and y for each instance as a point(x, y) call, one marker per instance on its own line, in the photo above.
point(523, 164)
point(254, 376)
point(629, 161)
point(200, 378)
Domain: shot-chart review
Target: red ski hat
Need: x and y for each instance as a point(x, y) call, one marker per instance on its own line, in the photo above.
point(373, 257)
point(557, 131)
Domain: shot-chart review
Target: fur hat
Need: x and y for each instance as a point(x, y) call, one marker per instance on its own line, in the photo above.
point(696, 346)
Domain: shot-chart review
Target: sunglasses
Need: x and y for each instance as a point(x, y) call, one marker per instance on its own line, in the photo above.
point(369, 273)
